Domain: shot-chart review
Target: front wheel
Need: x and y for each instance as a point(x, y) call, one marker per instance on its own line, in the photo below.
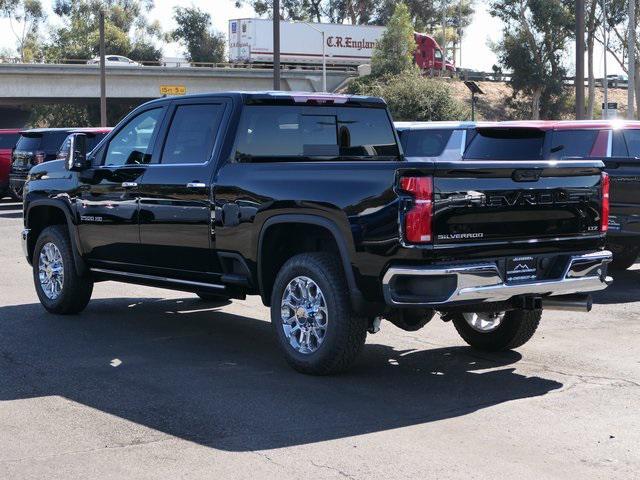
point(311, 315)
point(59, 287)
point(498, 330)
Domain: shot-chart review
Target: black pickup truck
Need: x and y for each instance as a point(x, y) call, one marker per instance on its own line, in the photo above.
point(615, 142)
point(306, 200)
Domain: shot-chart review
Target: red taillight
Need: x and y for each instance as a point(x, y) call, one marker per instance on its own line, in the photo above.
point(38, 158)
point(417, 220)
point(604, 216)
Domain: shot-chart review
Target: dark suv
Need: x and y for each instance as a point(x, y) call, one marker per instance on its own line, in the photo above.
point(40, 145)
point(615, 142)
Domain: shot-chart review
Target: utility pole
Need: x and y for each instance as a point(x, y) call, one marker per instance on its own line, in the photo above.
point(579, 80)
point(460, 32)
point(103, 75)
point(276, 44)
point(605, 110)
point(631, 47)
point(444, 38)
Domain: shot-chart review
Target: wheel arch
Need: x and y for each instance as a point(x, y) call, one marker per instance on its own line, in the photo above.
point(45, 212)
point(265, 283)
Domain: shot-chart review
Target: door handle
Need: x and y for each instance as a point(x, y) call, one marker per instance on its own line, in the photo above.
point(196, 185)
point(128, 184)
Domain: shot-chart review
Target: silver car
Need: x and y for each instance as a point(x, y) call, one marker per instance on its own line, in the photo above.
point(430, 141)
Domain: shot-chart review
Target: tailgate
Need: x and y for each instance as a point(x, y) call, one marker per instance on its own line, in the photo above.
point(624, 173)
point(625, 180)
point(480, 201)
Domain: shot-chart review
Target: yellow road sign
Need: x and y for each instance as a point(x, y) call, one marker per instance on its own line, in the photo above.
point(173, 90)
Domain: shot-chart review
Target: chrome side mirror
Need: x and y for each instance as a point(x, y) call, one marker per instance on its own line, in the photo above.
point(76, 159)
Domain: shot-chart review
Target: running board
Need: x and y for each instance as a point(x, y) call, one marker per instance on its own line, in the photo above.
point(152, 278)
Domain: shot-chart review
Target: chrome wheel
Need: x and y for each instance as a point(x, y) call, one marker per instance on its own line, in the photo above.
point(304, 315)
point(51, 271)
point(484, 322)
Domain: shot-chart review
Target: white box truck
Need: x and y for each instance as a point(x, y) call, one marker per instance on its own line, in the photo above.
point(251, 41)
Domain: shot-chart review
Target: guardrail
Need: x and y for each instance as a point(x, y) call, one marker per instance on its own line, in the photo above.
point(187, 64)
point(506, 77)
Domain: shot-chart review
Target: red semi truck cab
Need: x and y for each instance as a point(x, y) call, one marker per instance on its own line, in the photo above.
point(428, 54)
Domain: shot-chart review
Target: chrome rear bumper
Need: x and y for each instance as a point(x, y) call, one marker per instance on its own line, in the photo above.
point(482, 282)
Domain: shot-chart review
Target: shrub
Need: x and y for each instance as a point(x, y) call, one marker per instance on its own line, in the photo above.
point(412, 97)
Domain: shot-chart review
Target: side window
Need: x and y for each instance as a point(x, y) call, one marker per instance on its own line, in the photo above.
point(619, 146)
point(269, 133)
point(572, 143)
point(192, 134)
point(366, 132)
point(633, 142)
point(427, 142)
point(132, 144)
point(64, 148)
point(438, 55)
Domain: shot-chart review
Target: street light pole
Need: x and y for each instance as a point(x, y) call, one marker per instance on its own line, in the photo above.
point(631, 48)
point(324, 54)
point(605, 110)
point(103, 74)
point(324, 63)
point(276, 44)
point(579, 80)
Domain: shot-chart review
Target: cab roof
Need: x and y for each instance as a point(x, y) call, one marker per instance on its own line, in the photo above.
point(288, 98)
point(547, 125)
point(68, 129)
point(435, 125)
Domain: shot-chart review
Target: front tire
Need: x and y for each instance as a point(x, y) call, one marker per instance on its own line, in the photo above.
point(59, 287)
point(511, 330)
point(311, 315)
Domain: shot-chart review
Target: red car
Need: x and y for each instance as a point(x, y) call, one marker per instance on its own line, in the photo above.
point(8, 140)
point(616, 142)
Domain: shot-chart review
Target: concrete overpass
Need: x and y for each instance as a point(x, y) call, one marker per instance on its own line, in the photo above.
point(28, 84)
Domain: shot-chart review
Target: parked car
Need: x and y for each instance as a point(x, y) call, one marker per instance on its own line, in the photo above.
point(305, 200)
point(41, 145)
point(93, 137)
point(8, 140)
point(115, 61)
point(428, 141)
point(616, 142)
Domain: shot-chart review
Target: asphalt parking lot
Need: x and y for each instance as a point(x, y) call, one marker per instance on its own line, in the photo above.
point(150, 383)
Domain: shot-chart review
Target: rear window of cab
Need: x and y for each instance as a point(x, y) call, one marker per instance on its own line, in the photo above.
point(506, 144)
point(276, 133)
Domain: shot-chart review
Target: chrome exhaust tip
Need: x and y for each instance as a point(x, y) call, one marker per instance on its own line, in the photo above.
point(568, 303)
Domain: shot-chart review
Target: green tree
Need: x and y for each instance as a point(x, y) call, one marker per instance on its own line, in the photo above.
point(534, 39)
point(25, 17)
point(394, 52)
point(355, 12)
point(412, 97)
point(128, 31)
point(194, 32)
point(426, 14)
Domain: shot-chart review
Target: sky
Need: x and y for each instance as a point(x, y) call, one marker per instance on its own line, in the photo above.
point(476, 51)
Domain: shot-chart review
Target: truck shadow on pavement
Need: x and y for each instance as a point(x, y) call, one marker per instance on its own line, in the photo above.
point(625, 288)
point(193, 371)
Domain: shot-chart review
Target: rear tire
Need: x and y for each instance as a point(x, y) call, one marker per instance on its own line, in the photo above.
point(59, 287)
point(316, 330)
point(516, 328)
